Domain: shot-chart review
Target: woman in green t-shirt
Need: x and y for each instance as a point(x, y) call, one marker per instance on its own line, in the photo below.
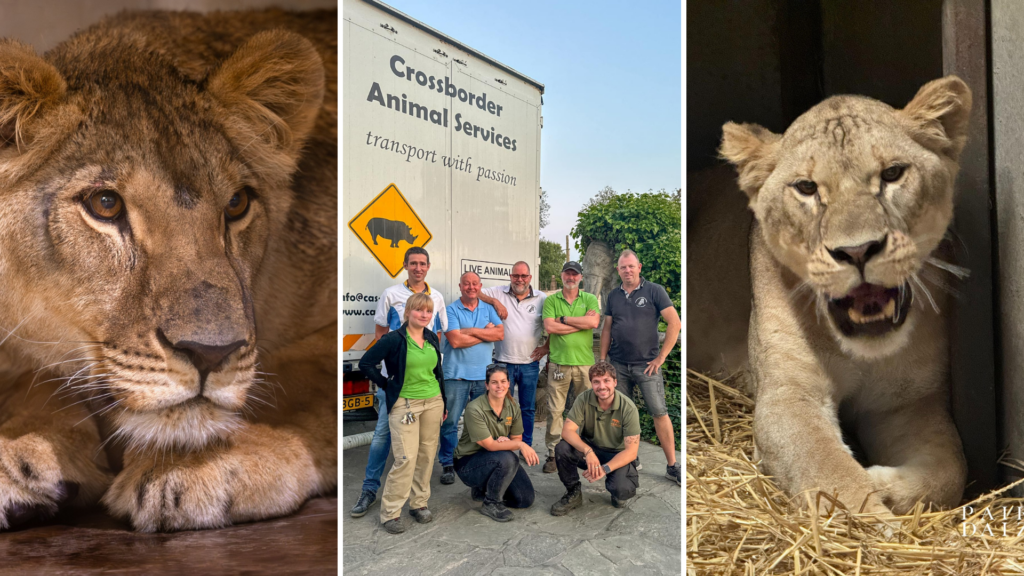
point(492, 429)
point(414, 390)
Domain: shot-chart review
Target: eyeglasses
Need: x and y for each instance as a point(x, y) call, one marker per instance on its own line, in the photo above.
point(521, 276)
point(497, 365)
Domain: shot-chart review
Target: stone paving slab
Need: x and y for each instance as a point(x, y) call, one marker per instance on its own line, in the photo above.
point(642, 539)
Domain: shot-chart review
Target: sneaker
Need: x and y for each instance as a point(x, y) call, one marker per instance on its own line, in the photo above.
point(365, 500)
point(673, 472)
point(422, 515)
point(394, 526)
point(572, 500)
point(496, 511)
point(637, 464)
point(549, 465)
point(448, 475)
point(620, 503)
point(476, 494)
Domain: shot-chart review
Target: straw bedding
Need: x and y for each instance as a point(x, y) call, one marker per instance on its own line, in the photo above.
point(739, 522)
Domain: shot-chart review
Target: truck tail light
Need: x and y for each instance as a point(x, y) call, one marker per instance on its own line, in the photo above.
point(349, 387)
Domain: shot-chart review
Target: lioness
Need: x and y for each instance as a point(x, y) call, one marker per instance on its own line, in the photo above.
point(850, 205)
point(168, 269)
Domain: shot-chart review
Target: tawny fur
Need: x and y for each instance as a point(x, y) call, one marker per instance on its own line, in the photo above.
point(891, 390)
point(176, 113)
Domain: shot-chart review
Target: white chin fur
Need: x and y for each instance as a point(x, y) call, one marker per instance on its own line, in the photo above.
point(188, 426)
point(877, 347)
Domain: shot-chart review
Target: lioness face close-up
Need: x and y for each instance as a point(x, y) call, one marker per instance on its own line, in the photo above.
point(167, 275)
point(854, 198)
point(847, 338)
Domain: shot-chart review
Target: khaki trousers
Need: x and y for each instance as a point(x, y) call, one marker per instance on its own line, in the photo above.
point(413, 446)
point(559, 379)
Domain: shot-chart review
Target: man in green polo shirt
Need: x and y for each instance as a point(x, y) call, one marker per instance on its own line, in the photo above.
point(602, 437)
point(570, 317)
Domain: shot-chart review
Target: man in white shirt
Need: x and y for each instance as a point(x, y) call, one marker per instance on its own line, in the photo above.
point(525, 343)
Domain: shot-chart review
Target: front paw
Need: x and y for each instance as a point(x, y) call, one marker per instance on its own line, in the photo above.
point(244, 479)
point(32, 487)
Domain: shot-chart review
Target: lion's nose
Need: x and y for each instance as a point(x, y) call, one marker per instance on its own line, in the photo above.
point(860, 254)
point(206, 357)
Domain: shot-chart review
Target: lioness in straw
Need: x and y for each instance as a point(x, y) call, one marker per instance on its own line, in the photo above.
point(168, 269)
point(850, 205)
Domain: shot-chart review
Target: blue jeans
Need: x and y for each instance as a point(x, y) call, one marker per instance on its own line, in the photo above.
point(380, 446)
point(457, 394)
point(525, 376)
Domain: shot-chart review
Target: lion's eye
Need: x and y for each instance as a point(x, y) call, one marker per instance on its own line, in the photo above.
point(806, 187)
point(892, 173)
point(105, 204)
point(238, 205)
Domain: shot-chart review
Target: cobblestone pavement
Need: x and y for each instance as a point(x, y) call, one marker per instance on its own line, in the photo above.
point(644, 538)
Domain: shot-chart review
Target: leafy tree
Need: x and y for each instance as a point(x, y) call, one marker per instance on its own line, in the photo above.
point(603, 195)
point(545, 209)
point(647, 223)
point(551, 259)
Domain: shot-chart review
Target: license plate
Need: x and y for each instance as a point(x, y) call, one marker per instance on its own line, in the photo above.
point(357, 402)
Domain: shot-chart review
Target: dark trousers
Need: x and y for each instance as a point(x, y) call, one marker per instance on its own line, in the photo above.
point(621, 483)
point(499, 475)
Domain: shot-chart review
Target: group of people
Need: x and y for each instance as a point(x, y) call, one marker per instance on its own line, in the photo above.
point(422, 398)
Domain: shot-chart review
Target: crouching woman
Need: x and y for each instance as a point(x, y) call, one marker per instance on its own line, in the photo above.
point(414, 392)
point(485, 459)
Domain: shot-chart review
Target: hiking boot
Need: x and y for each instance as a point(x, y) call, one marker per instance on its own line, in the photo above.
point(620, 503)
point(550, 466)
point(448, 475)
point(637, 464)
point(365, 500)
point(422, 515)
point(572, 500)
point(496, 511)
point(394, 526)
point(674, 473)
point(477, 494)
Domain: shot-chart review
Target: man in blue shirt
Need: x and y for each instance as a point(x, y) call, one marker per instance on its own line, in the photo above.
point(473, 326)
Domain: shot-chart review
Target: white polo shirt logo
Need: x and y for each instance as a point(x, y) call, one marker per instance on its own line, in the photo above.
point(531, 309)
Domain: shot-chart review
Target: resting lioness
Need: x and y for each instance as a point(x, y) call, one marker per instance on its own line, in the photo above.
point(850, 206)
point(168, 268)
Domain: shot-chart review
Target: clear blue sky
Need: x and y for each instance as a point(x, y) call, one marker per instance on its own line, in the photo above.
point(612, 88)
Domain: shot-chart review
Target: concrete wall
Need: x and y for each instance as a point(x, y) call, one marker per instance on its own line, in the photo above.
point(1008, 138)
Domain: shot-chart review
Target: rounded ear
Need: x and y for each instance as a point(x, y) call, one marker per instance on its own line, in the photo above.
point(937, 116)
point(273, 88)
point(28, 85)
point(752, 149)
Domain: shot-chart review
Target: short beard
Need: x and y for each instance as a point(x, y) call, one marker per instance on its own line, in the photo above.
point(520, 291)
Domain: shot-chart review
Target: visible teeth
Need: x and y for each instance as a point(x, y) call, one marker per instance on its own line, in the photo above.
point(887, 312)
point(890, 309)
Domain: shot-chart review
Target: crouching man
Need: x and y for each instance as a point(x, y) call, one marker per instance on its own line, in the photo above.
point(601, 436)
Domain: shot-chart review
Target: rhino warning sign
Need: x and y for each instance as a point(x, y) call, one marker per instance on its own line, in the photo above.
point(388, 226)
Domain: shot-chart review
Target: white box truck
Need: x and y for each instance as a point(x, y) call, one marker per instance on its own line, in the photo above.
point(442, 151)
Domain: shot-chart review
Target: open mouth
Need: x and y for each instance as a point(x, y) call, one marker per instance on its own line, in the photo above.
point(871, 310)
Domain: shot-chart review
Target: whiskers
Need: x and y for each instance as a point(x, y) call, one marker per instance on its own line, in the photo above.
point(262, 393)
point(804, 294)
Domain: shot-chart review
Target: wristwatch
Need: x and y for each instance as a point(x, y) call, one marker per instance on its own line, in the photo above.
point(606, 469)
point(561, 319)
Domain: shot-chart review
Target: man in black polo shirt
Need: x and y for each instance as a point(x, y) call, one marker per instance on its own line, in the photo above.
point(630, 340)
point(601, 436)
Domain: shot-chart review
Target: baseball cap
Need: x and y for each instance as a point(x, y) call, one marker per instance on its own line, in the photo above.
point(574, 266)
